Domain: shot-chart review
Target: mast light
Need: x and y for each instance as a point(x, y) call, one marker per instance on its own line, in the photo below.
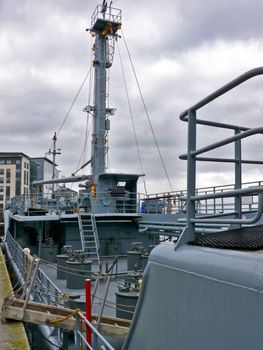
point(89, 109)
point(111, 111)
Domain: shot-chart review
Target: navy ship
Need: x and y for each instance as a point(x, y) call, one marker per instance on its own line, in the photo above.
point(171, 270)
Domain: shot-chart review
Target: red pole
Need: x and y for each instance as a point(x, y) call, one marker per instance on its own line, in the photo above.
point(88, 310)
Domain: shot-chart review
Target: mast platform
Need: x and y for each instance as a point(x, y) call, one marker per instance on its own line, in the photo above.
point(106, 18)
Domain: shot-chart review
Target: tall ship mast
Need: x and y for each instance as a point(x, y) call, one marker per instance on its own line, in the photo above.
point(105, 23)
point(109, 193)
point(112, 190)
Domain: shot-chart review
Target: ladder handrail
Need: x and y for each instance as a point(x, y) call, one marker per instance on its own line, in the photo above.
point(90, 217)
point(96, 236)
point(81, 231)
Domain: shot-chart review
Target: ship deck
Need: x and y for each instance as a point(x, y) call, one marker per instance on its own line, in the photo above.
point(76, 297)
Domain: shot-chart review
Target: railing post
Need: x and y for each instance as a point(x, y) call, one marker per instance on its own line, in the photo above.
point(56, 297)
point(222, 203)
point(78, 338)
point(214, 201)
point(238, 175)
point(48, 292)
point(191, 173)
point(105, 297)
point(35, 265)
point(96, 343)
point(88, 311)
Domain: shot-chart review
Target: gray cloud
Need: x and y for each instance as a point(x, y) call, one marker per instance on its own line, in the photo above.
point(181, 51)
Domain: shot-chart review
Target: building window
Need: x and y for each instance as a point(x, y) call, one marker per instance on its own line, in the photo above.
point(7, 191)
point(18, 170)
point(18, 161)
point(1, 197)
point(1, 206)
point(8, 175)
point(2, 171)
point(1, 188)
point(18, 189)
point(2, 161)
point(8, 161)
point(1, 180)
point(24, 177)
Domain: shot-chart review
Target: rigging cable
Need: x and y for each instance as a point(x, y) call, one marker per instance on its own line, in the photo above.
point(84, 147)
point(131, 115)
point(73, 102)
point(87, 131)
point(146, 112)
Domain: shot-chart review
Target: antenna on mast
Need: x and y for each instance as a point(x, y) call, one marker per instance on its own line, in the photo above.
point(104, 6)
point(54, 151)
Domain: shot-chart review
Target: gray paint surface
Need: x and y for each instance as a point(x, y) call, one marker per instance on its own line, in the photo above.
point(199, 298)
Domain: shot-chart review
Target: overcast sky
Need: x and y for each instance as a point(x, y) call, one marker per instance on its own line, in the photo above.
point(181, 51)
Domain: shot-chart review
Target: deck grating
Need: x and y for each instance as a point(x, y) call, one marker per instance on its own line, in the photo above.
point(245, 238)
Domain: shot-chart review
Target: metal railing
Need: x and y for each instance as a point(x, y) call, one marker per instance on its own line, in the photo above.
point(97, 337)
point(16, 254)
point(108, 13)
point(193, 155)
point(46, 292)
point(66, 202)
point(158, 203)
point(123, 202)
point(176, 201)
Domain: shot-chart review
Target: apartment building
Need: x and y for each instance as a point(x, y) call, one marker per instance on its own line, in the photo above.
point(42, 169)
point(14, 175)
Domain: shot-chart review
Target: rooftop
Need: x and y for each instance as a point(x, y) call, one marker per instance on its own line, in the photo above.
point(44, 159)
point(13, 154)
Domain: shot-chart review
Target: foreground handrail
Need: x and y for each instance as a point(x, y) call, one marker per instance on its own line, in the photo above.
point(221, 91)
point(190, 116)
point(95, 332)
